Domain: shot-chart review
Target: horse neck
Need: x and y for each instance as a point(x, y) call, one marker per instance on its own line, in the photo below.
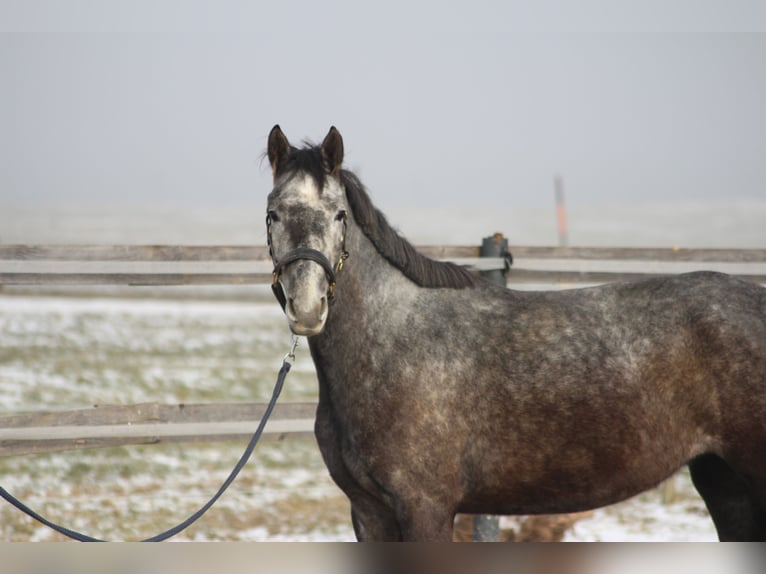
point(368, 287)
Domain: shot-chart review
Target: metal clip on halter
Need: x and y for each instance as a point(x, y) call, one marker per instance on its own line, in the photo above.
point(290, 356)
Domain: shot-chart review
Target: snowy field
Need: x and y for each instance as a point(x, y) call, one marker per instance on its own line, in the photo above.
point(67, 352)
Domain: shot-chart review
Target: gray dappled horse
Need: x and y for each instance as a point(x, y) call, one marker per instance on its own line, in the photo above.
point(441, 393)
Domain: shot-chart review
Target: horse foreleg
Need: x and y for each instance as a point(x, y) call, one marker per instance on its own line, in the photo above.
point(424, 522)
point(373, 522)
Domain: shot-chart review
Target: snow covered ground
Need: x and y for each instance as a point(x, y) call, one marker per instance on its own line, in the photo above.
point(70, 352)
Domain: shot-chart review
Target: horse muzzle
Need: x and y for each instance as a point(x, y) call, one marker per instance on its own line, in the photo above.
point(305, 307)
point(306, 316)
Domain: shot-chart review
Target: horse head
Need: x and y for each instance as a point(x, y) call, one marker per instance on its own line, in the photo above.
point(306, 225)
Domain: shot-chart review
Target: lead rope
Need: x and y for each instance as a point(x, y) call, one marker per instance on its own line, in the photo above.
point(286, 364)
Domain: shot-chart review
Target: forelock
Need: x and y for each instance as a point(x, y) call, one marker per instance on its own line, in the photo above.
point(307, 160)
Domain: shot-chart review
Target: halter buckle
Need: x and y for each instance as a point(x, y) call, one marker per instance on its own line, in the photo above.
point(343, 257)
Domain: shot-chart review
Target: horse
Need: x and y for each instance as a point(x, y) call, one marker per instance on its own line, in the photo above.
point(443, 393)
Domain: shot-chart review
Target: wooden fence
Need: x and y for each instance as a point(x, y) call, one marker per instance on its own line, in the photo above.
point(241, 265)
point(86, 265)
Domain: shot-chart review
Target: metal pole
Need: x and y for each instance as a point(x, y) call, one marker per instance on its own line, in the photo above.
point(486, 528)
point(496, 246)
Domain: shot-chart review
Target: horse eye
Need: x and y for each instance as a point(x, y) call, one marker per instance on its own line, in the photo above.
point(273, 216)
point(341, 215)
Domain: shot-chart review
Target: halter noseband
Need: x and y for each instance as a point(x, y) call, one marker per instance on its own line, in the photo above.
point(304, 253)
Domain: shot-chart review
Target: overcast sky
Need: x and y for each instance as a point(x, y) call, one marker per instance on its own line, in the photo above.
point(453, 103)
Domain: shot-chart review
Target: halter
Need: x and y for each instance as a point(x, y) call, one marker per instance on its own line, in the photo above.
point(304, 253)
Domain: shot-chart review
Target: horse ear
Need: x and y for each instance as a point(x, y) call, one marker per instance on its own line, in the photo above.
point(332, 150)
point(279, 148)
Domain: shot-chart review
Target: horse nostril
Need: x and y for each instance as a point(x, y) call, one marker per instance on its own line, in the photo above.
point(306, 311)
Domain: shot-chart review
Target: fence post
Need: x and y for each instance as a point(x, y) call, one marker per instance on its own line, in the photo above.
point(486, 528)
point(496, 246)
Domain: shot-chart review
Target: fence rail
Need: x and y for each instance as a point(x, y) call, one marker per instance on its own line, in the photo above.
point(149, 423)
point(238, 265)
point(245, 265)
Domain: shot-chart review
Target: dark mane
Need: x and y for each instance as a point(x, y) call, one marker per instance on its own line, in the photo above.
point(399, 252)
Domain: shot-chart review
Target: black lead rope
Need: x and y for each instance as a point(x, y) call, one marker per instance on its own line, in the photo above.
point(286, 364)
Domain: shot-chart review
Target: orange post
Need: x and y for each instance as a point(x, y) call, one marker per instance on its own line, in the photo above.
point(561, 212)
